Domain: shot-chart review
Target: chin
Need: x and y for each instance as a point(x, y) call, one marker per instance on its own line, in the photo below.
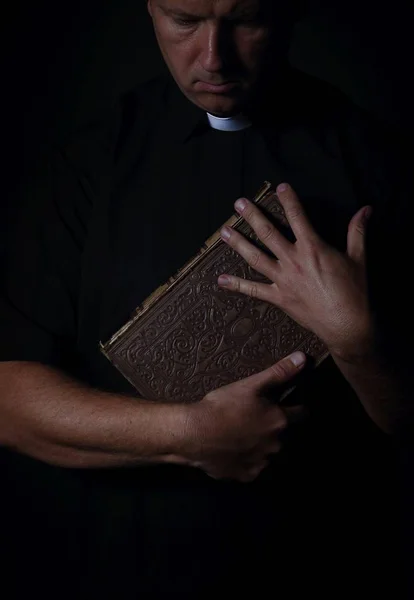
point(219, 106)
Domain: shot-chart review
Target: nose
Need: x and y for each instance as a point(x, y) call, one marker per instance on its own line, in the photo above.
point(214, 48)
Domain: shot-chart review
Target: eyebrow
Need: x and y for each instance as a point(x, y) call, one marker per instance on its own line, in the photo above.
point(176, 12)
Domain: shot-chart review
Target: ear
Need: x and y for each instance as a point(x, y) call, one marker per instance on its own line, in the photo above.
point(149, 7)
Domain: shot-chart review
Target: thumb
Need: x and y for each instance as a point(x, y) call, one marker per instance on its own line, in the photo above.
point(282, 372)
point(356, 235)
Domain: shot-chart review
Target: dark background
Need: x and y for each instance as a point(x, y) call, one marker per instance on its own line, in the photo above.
point(63, 62)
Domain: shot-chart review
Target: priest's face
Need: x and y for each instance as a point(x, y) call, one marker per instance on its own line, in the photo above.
point(217, 50)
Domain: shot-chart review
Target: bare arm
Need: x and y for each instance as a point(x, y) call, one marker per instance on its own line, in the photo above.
point(383, 389)
point(229, 434)
point(51, 417)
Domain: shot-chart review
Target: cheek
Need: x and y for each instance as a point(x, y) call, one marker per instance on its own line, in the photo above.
point(181, 61)
point(177, 49)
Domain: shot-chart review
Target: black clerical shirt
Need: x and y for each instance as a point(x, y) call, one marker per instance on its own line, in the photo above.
point(118, 209)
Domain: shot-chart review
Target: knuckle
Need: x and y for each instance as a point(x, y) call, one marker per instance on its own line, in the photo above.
point(254, 259)
point(359, 228)
point(253, 291)
point(294, 211)
point(265, 232)
point(281, 422)
point(282, 369)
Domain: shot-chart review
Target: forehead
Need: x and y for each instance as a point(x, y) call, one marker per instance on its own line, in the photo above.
point(216, 8)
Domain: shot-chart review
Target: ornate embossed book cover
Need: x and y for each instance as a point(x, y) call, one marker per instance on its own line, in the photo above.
point(190, 336)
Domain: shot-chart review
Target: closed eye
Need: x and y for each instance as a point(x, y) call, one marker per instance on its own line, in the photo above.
point(184, 22)
point(241, 21)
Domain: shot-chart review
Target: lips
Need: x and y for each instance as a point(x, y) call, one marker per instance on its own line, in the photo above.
point(222, 88)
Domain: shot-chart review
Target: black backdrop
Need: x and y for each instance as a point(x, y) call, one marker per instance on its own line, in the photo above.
point(64, 60)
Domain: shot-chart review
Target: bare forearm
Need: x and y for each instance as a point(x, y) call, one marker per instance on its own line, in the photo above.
point(51, 417)
point(383, 390)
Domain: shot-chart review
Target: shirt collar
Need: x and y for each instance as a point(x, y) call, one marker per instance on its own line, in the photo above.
point(236, 123)
point(271, 110)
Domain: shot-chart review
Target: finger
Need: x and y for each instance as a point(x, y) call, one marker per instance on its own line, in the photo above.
point(265, 231)
point(253, 289)
point(292, 418)
point(274, 448)
point(296, 414)
point(295, 214)
point(252, 473)
point(254, 257)
point(288, 417)
point(356, 235)
point(255, 462)
point(282, 372)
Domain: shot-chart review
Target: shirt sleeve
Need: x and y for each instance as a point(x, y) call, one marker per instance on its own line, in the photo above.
point(43, 264)
point(40, 293)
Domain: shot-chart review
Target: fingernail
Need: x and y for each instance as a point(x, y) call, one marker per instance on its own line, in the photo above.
point(240, 204)
point(298, 359)
point(224, 280)
point(282, 187)
point(225, 233)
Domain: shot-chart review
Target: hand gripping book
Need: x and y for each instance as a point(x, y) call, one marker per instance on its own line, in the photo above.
point(190, 336)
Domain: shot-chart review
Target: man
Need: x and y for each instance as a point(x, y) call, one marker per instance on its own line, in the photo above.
point(133, 499)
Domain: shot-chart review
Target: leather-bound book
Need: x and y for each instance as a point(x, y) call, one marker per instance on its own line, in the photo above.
point(191, 336)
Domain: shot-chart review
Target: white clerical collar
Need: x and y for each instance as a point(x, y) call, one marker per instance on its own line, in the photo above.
point(236, 123)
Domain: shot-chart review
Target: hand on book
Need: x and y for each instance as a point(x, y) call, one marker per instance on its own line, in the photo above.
point(319, 287)
point(238, 428)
